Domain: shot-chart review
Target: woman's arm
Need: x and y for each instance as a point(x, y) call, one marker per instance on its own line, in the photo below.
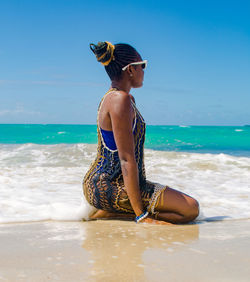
point(121, 114)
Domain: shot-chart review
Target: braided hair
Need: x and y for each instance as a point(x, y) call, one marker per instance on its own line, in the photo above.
point(114, 57)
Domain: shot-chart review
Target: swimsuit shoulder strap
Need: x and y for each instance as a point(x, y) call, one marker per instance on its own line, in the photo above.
point(100, 104)
point(136, 110)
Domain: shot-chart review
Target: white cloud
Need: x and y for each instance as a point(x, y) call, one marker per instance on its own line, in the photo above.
point(50, 82)
point(18, 111)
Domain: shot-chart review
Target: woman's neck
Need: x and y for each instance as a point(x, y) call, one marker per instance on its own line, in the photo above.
point(121, 85)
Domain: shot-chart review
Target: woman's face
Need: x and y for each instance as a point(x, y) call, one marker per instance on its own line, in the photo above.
point(137, 74)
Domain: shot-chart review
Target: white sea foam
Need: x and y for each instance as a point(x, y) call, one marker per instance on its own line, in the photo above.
point(43, 182)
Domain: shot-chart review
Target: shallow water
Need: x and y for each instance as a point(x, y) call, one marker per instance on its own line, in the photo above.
point(43, 182)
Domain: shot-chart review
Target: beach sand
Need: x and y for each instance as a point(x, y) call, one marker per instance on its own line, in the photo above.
point(112, 250)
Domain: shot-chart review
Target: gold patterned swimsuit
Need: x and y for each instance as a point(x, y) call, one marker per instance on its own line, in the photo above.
point(103, 184)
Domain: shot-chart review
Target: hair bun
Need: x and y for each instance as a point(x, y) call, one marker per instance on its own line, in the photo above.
point(104, 52)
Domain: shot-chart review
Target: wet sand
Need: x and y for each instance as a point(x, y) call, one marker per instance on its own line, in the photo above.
point(124, 251)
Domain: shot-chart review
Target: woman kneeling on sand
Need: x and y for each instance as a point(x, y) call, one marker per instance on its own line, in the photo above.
point(116, 183)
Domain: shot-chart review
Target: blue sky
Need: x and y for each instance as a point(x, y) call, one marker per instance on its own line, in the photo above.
point(198, 59)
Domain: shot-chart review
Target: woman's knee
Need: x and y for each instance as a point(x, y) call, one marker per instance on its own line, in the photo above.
point(192, 211)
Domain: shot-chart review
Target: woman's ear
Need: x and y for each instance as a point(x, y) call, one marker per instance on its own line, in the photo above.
point(131, 70)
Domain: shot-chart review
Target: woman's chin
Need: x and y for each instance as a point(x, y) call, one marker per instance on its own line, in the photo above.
point(138, 85)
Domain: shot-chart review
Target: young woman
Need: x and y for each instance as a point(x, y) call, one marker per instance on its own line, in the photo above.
point(116, 184)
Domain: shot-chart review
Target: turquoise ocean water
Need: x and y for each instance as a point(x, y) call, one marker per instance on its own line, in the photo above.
point(232, 140)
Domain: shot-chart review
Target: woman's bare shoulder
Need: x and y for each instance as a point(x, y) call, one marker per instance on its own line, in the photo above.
point(118, 94)
point(119, 102)
point(119, 97)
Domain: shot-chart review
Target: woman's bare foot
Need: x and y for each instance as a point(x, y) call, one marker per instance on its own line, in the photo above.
point(155, 221)
point(101, 214)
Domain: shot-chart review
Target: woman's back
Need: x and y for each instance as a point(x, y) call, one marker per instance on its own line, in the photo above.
point(104, 182)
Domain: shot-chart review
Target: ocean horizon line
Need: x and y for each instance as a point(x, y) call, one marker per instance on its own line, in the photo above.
point(148, 124)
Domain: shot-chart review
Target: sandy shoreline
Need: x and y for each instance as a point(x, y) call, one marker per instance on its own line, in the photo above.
point(123, 251)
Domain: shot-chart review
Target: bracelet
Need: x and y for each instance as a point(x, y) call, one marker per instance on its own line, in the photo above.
point(141, 216)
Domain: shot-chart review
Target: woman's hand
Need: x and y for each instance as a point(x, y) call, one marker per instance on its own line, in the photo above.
point(154, 221)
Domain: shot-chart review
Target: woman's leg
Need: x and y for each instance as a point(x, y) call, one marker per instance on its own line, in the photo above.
point(172, 206)
point(176, 207)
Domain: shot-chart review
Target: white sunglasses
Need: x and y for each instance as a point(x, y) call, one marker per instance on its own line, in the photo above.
point(142, 63)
